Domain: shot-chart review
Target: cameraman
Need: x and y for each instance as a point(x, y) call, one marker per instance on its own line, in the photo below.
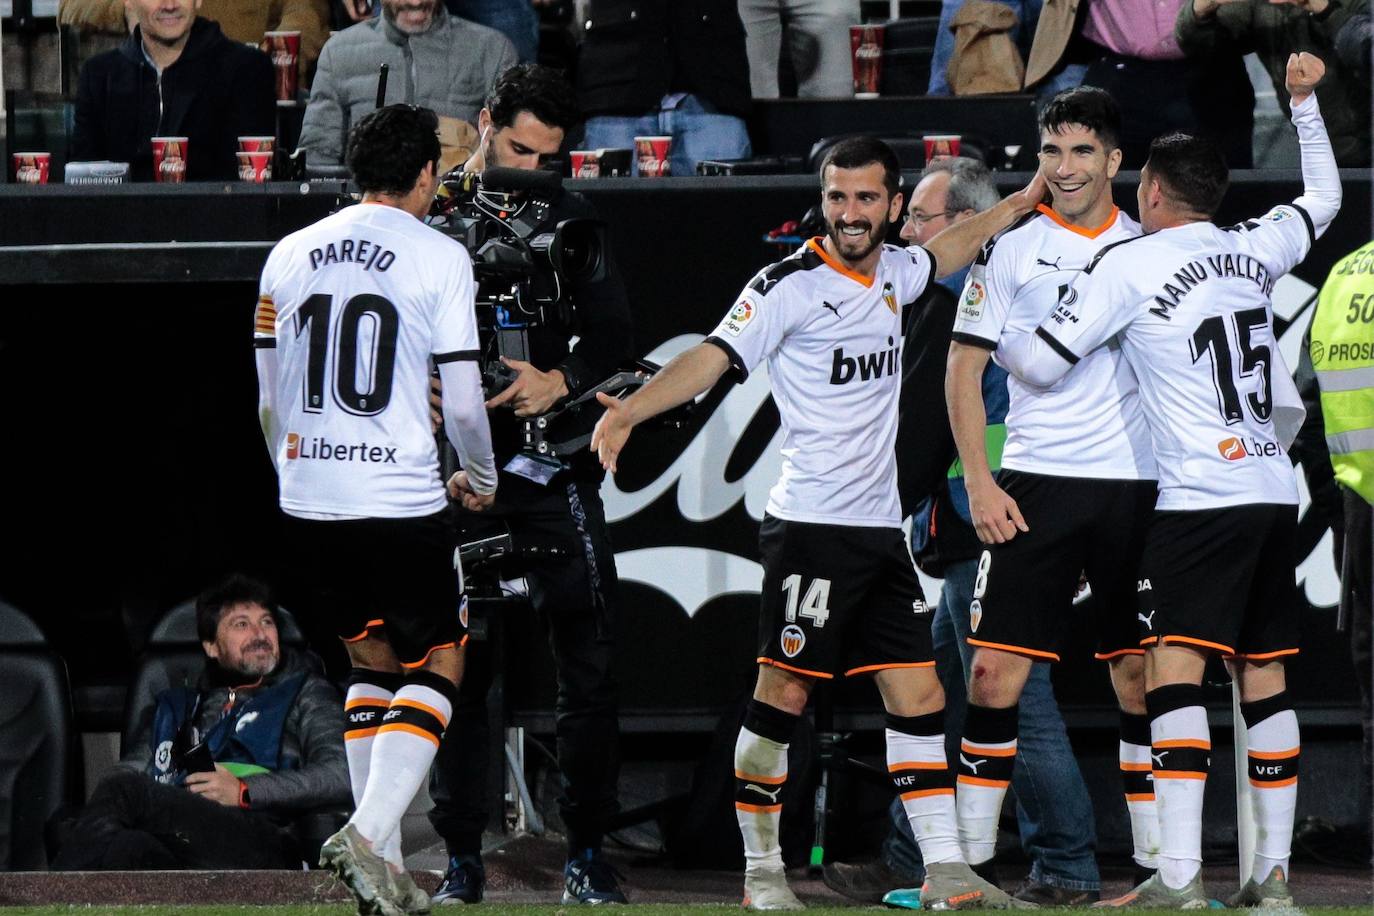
point(527, 115)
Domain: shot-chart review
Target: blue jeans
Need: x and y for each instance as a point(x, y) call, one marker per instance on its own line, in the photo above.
point(516, 20)
point(698, 130)
point(1053, 810)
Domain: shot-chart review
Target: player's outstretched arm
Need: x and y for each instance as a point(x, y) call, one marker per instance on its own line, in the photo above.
point(465, 419)
point(688, 375)
point(955, 247)
point(1321, 182)
point(996, 517)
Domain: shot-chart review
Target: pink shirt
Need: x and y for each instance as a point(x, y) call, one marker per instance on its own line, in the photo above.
point(1135, 28)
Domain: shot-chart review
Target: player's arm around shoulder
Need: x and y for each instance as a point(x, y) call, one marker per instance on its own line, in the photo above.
point(955, 248)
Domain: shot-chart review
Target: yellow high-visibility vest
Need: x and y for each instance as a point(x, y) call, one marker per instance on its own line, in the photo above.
point(1343, 357)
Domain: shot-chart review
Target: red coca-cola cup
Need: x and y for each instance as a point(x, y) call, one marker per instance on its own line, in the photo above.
point(941, 146)
point(255, 166)
point(652, 155)
point(586, 163)
point(866, 55)
point(169, 159)
point(257, 144)
point(32, 168)
point(285, 50)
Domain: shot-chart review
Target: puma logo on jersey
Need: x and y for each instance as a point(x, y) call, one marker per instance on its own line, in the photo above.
point(832, 308)
point(844, 369)
point(972, 764)
point(1147, 619)
point(1052, 264)
point(321, 449)
point(771, 796)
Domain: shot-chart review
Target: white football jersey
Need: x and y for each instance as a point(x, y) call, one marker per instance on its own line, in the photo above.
point(357, 305)
point(1192, 307)
point(832, 339)
point(1089, 424)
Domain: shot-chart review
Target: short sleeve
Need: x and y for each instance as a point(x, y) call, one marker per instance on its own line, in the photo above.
point(914, 274)
point(1279, 239)
point(1099, 304)
point(987, 297)
point(265, 314)
point(753, 328)
point(455, 322)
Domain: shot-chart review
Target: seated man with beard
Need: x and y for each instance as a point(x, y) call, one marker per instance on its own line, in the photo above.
point(218, 771)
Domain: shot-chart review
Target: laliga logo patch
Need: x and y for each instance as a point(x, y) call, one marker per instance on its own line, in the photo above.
point(972, 306)
point(463, 611)
point(293, 445)
point(1231, 449)
point(975, 615)
point(793, 640)
point(1278, 215)
point(739, 316)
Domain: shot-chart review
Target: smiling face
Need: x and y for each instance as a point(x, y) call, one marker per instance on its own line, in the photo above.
point(1079, 170)
point(245, 641)
point(412, 17)
point(858, 212)
point(165, 22)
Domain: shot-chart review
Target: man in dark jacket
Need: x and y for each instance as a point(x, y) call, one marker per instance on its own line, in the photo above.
point(175, 76)
point(216, 773)
point(656, 68)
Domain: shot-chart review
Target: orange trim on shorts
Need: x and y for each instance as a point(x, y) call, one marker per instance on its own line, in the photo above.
point(1191, 641)
point(413, 665)
point(1108, 656)
point(463, 643)
point(359, 638)
point(1135, 767)
point(410, 729)
point(766, 780)
point(1263, 656)
point(1179, 774)
point(1140, 797)
point(786, 667)
point(916, 765)
point(853, 671)
point(925, 793)
point(365, 701)
point(1185, 742)
point(423, 707)
point(984, 751)
point(1014, 650)
point(980, 781)
point(1292, 780)
point(757, 809)
point(1274, 755)
point(354, 734)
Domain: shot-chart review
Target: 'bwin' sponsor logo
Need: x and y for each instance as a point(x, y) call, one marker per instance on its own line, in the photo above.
point(866, 366)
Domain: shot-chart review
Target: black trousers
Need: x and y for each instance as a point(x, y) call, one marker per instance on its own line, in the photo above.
point(575, 598)
point(133, 823)
point(1355, 559)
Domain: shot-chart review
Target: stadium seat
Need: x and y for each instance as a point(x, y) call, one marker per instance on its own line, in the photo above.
point(35, 740)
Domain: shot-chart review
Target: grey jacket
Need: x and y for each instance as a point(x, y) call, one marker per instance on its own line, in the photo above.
point(313, 735)
point(450, 68)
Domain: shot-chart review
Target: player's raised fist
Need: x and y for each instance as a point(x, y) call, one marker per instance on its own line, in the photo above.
point(1305, 71)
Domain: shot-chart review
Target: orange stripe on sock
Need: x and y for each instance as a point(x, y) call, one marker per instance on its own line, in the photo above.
point(766, 780)
point(423, 707)
point(758, 809)
point(1292, 780)
point(366, 701)
point(980, 781)
point(926, 793)
point(1141, 797)
point(353, 734)
point(410, 729)
point(1186, 742)
point(1273, 755)
point(1135, 767)
point(984, 751)
point(916, 765)
point(1179, 774)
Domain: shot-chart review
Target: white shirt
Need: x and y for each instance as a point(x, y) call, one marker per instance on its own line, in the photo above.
point(832, 340)
point(1088, 424)
point(356, 306)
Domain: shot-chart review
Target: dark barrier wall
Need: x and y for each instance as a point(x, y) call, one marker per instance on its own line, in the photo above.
point(134, 471)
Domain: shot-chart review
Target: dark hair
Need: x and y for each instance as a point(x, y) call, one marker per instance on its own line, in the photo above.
point(1192, 171)
point(1089, 106)
point(237, 589)
point(542, 91)
point(390, 147)
point(857, 152)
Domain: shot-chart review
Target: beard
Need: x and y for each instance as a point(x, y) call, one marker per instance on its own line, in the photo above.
point(257, 659)
point(412, 7)
point(857, 248)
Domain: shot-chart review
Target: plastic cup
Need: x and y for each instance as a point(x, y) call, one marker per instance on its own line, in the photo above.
point(941, 146)
point(32, 168)
point(866, 56)
point(169, 159)
point(586, 163)
point(285, 50)
point(652, 153)
point(257, 144)
point(255, 166)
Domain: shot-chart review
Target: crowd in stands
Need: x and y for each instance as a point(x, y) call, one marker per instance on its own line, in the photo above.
point(689, 70)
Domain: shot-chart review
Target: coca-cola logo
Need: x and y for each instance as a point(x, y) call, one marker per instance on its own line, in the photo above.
point(283, 58)
point(29, 174)
point(247, 172)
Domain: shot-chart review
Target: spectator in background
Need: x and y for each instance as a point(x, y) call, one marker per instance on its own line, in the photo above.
point(516, 19)
point(817, 35)
point(437, 61)
point(1273, 29)
point(241, 20)
point(666, 68)
point(1027, 14)
point(176, 75)
point(217, 773)
point(1353, 45)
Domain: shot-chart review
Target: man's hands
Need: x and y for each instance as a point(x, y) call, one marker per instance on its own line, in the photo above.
point(996, 517)
point(471, 500)
point(1305, 71)
point(1032, 195)
point(612, 430)
point(533, 392)
point(220, 786)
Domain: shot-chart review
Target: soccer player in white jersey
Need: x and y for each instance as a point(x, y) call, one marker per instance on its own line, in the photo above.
point(1077, 482)
point(840, 593)
point(1189, 306)
point(352, 313)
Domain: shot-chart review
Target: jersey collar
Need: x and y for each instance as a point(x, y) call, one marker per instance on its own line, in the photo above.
point(1079, 230)
point(815, 245)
